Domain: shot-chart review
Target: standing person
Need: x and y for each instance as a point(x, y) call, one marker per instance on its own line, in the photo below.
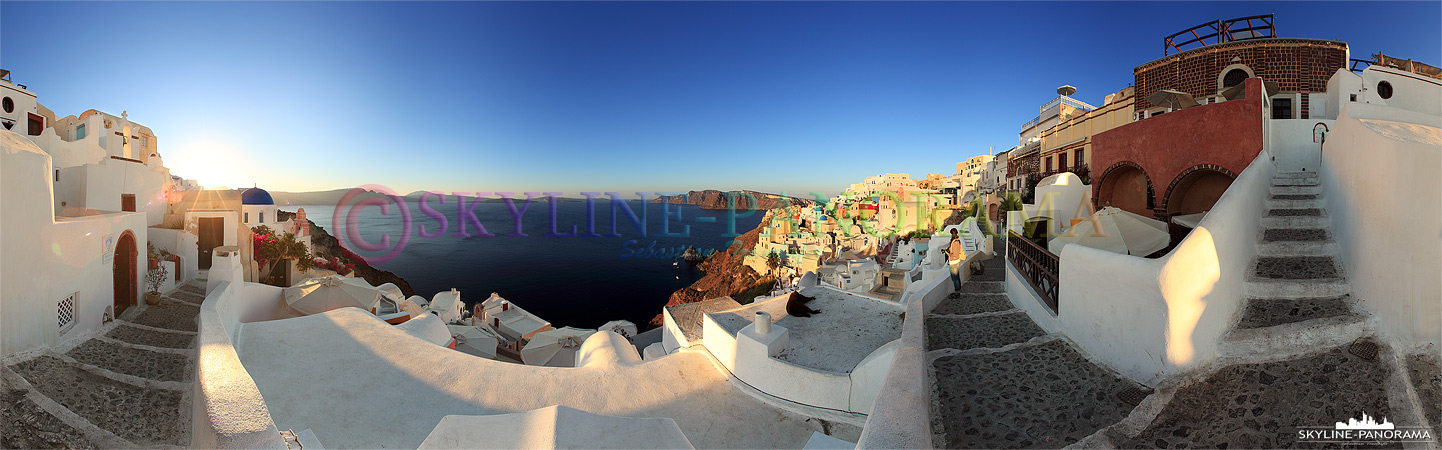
point(954, 256)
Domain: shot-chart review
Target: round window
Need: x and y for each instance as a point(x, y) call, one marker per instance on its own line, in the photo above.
point(1234, 77)
point(1384, 90)
point(8, 104)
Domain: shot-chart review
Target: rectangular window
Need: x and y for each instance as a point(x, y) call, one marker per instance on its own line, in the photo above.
point(1080, 160)
point(262, 217)
point(1048, 164)
point(57, 175)
point(80, 131)
point(1281, 108)
point(247, 218)
point(127, 202)
point(1061, 161)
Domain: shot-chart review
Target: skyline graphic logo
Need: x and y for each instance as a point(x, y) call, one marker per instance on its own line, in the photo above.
point(1363, 430)
point(1367, 423)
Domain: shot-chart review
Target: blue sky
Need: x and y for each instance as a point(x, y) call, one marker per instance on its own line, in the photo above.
point(599, 96)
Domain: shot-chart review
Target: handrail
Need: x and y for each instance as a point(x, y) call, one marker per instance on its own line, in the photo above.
point(1037, 265)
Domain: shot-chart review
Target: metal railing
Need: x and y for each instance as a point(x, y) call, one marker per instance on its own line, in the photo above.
point(1220, 31)
point(1037, 266)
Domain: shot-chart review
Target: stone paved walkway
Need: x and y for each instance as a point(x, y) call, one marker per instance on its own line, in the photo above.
point(1001, 382)
point(126, 388)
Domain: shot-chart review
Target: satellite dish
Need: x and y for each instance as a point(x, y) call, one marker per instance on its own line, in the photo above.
point(1066, 91)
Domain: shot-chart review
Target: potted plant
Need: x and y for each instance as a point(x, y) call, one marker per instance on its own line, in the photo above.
point(152, 255)
point(153, 281)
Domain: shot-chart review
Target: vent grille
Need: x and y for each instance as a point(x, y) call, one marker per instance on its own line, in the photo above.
point(65, 313)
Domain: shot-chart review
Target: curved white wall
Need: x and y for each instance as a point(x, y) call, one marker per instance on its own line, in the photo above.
point(1380, 178)
point(1149, 318)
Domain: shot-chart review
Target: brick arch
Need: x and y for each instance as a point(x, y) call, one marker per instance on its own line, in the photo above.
point(1105, 182)
point(1171, 188)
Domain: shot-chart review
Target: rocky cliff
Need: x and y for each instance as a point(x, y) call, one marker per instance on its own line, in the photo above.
point(714, 199)
point(725, 275)
point(323, 244)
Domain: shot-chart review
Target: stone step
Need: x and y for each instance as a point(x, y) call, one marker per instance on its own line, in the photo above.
point(146, 417)
point(1295, 190)
point(1280, 181)
point(172, 315)
point(1281, 222)
point(1300, 268)
point(1296, 174)
point(1268, 312)
point(1296, 235)
point(130, 361)
point(1039, 396)
point(1296, 212)
point(1325, 247)
point(974, 304)
point(1256, 287)
point(1295, 338)
point(198, 289)
point(980, 332)
point(153, 338)
point(983, 287)
point(1283, 203)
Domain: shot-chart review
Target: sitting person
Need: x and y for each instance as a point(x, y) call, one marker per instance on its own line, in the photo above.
point(796, 305)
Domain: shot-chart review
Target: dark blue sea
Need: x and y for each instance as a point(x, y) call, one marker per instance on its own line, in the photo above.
point(570, 281)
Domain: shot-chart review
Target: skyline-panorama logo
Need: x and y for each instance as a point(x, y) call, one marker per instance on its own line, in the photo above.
point(1363, 430)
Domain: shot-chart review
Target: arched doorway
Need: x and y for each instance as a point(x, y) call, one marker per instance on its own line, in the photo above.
point(124, 272)
point(1196, 190)
point(1127, 187)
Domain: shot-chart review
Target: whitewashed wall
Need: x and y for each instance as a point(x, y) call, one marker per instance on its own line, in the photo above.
point(1176, 309)
point(1380, 180)
point(43, 259)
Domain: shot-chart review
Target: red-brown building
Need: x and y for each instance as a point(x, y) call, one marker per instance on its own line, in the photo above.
point(1195, 127)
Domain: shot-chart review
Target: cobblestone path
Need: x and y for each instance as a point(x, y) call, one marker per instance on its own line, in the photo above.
point(127, 387)
point(1002, 382)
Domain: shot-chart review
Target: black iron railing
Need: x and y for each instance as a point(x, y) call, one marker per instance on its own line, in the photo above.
point(1037, 266)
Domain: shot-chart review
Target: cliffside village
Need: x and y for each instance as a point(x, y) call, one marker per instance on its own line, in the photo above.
point(1204, 259)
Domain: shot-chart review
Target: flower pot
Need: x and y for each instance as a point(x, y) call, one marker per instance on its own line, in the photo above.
point(152, 298)
point(154, 264)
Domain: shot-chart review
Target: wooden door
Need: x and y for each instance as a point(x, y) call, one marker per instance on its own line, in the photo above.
point(124, 273)
point(212, 235)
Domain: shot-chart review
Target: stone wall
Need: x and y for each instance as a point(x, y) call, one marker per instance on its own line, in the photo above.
point(1297, 65)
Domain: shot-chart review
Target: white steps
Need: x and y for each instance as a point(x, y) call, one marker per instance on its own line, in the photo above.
point(1256, 287)
point(1295, 338)
point(1296, 190)
point(1279, 222)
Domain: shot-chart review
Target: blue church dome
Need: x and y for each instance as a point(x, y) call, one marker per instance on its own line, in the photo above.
point(256, 196)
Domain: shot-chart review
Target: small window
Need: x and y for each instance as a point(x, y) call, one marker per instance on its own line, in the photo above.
point(1158, 113)
point(127, 202)
point(1354, 97)
point(57, 175)
point(247, 218)
point(1080, 160)
point(65, 313)
point(1281, 108)
point(1384, 90)
point(8, 104)
point(1061, 161)
point(1048, 164)
point(262, 217)
point(80, 131)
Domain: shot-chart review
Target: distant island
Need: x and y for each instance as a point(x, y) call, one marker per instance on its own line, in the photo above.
point(705, 199)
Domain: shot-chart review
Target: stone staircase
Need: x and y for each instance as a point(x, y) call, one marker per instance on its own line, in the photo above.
point(1003, 382)
point(1300, 356)
point(125, 388)
point(1296, 296)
